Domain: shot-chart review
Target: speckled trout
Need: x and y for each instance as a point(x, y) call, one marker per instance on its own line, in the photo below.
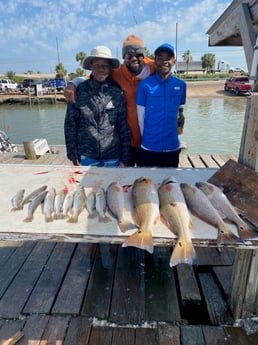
point(201, 206)
point(146, 203)
point(220, 201)
point(175, 213)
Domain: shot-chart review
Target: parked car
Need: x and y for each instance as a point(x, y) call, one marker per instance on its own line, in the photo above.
point(58, 83)
point(7, 85)
point(30, 83)
point(238, 84)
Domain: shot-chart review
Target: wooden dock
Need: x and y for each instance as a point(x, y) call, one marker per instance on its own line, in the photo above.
point(98, 294)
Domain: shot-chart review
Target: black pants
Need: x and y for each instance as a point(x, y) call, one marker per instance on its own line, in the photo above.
point(135, 156)
point(159, 159)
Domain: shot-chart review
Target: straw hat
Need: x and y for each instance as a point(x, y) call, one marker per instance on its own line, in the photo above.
point(103, 53)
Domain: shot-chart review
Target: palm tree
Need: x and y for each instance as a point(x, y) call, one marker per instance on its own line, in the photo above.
point(80, 57)
point(187, 58)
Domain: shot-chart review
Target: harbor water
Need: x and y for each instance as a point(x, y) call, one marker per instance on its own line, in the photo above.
point(212, 125)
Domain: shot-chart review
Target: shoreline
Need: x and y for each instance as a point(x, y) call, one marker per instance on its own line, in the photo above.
point(207, 88)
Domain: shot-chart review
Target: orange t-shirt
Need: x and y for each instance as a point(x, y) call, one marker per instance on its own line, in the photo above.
point(129, 83)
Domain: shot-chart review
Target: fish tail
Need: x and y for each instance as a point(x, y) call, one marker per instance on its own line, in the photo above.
point(59, 216)
point(49, 219)
point(17, 208)
point(183, 252)
point(28, 219)
point(93, 215)
point(140, 239)
point(72, 219)
point(104, 219)
point(245, 231)
point(225, 235)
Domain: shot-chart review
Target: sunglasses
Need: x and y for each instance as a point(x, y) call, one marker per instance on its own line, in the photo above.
point(129, 56)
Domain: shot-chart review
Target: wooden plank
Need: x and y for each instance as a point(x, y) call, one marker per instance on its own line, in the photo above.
point(12, 302)
point(240, 185)
point(100, 336)
point(243, 297)
point(236, 335)
point(214, 335)
point(216, 305)
point(70, 296)
point(128, 299)
point(209, 161)
point(249, 143)
point(219, 160)
point(168, 334)
point(8, 329)
point(191, 335)
point(160, 281)
point(48, 284)
point(34, 329)
point(213, 256)
point(125, 336)
point(196, 161)
point(55, 330)
point(184, 161)
point(98, 294)
point(223, 275)
point(189, 290)
point(10, 267)
point(146, 336)
point(78, 331)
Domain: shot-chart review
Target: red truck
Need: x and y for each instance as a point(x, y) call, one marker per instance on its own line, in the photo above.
point(238, 84)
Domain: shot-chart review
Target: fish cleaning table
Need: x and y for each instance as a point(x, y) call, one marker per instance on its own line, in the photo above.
point(30, 177)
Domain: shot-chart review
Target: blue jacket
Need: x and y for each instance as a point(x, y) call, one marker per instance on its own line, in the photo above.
point(161, 99)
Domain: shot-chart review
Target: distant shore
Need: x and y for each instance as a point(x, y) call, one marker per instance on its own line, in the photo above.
point(207, 88)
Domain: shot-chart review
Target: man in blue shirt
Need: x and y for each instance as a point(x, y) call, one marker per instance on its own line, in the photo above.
point(158, 100)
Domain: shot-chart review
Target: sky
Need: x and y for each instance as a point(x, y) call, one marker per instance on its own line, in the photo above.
point(37, 34)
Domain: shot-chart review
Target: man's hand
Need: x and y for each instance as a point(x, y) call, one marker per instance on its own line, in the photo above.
point(69, 92)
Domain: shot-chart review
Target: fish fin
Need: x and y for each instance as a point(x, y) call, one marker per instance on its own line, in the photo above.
point(190, 223)
point(245, 231)
point(225, 235)
point(140, 239)
point(28, 219)
point(183, 252)
point(125, 225)
point(157, 219)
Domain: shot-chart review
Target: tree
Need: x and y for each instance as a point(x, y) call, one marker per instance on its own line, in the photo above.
point(80, 57)
point(187, 58)
point(79, 72)
point(148, 54)
point(60, 70)
point(10, 75)
point(208, 61)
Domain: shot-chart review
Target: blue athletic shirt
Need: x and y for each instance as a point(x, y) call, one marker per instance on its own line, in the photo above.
point(161, 99)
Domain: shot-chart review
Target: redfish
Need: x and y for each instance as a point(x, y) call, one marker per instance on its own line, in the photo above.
point(146, 203)
point(174, 211)
point(201, 206)
point(116, 206)
point(220, 201)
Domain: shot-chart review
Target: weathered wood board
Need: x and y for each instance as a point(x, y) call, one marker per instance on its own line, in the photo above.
point(240, 184)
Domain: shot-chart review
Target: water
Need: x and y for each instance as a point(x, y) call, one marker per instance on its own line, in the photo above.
point(212, 126)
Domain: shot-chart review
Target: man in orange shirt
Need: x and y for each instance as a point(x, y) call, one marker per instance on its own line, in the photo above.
point(134, 68)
